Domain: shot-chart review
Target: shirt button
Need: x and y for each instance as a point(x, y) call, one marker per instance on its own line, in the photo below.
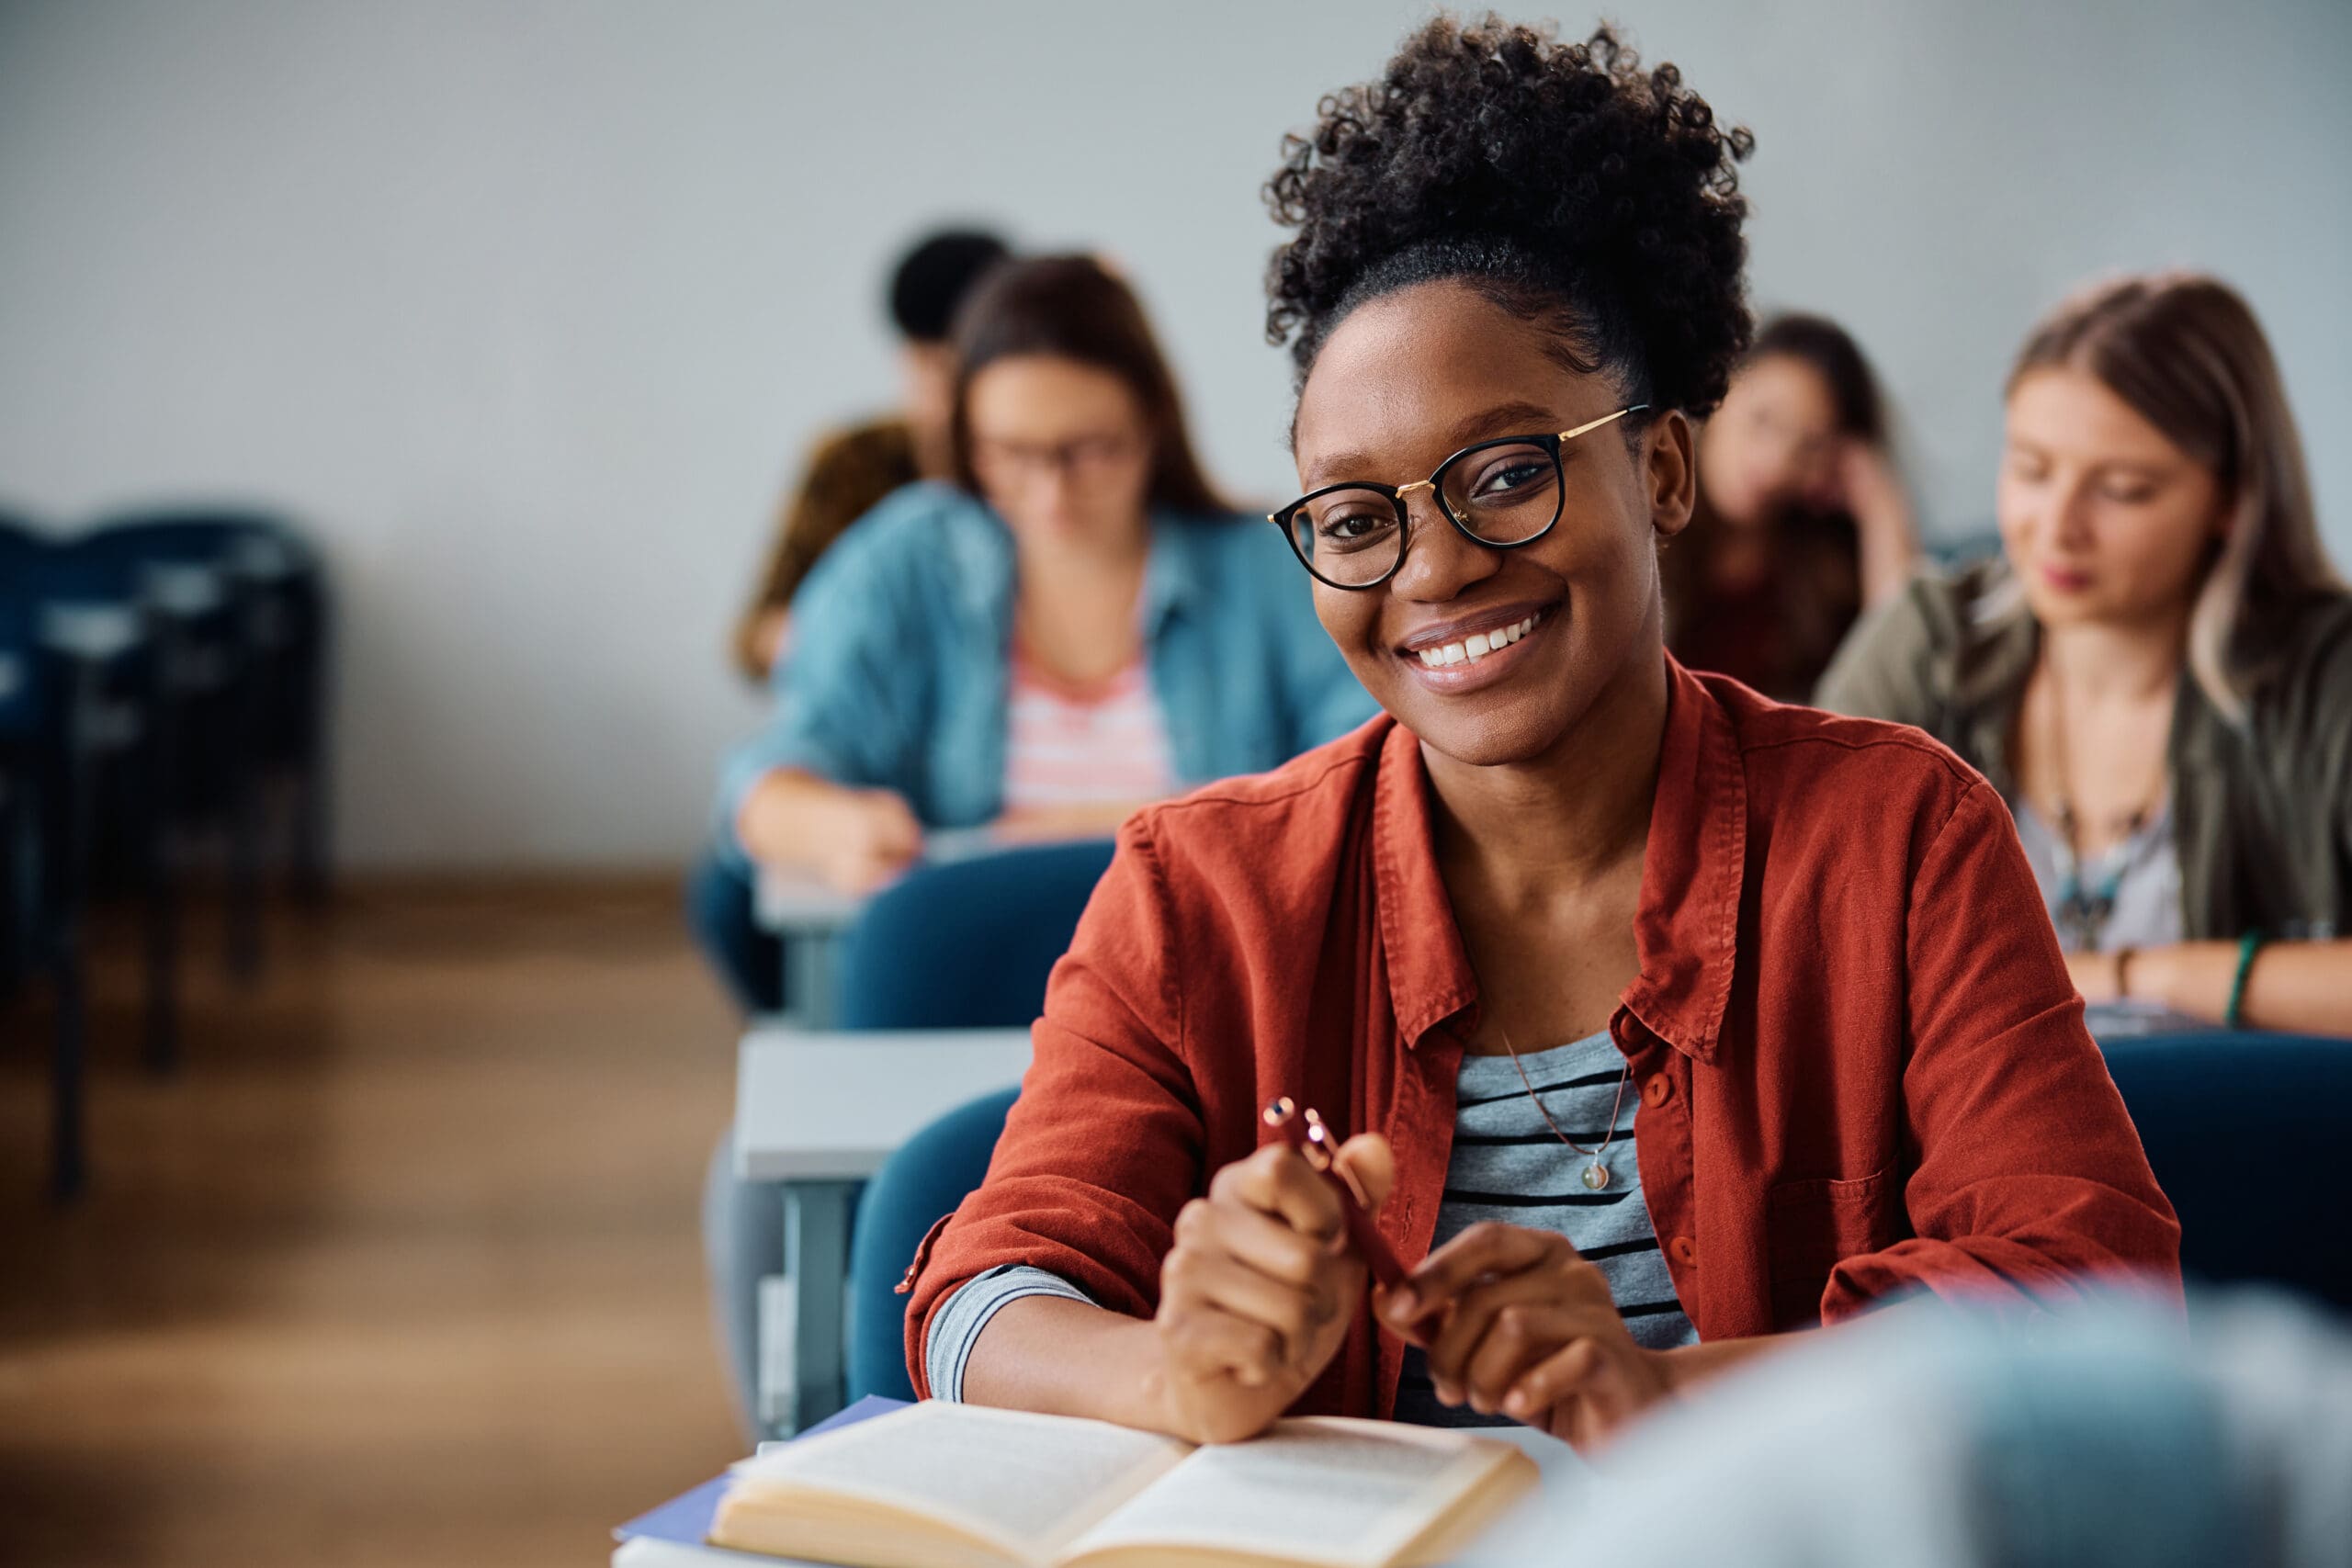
point(1685, 1251)
point(1659, 1089)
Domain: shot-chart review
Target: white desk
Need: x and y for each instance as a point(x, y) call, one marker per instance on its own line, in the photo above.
point(819, 1113)
point(811, 919)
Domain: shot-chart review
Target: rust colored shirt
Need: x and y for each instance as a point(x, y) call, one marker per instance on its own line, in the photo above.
point(1862, 1066)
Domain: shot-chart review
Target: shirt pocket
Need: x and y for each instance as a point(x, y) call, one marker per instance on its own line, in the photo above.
point(1813, 1227)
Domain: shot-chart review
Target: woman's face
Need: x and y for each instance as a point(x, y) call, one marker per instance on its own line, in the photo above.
point(2102, 517)
point(1772, 444)
point(1061, 449)
point(1401, 385)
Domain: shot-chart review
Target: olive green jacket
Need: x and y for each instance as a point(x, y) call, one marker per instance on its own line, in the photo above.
point(2261, 808)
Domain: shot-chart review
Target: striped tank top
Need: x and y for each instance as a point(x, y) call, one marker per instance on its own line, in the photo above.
point(1102, 744)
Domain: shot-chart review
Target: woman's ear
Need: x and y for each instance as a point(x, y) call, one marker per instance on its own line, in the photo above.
point(1670, 471)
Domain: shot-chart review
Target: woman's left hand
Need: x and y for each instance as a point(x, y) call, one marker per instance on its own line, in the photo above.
point(1514, 1321)
point(2095, 974)
point(1863, 483)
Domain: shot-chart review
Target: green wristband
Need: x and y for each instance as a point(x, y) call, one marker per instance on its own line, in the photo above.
point(2248, 945)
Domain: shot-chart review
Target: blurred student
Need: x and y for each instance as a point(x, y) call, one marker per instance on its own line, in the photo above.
point(2104, 1439)
point(1656, 1059)
point(1802, 518)
point(2158, 674)
point(1078, 626)
point(852, 471)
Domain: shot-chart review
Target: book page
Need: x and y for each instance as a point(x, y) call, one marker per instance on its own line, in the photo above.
point(1024, 1481)
point(1323, 1490)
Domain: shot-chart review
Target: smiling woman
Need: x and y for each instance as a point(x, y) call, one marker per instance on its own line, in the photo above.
point(1649, 1054)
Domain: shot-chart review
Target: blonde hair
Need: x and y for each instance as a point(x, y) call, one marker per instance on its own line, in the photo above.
point(2184, 351)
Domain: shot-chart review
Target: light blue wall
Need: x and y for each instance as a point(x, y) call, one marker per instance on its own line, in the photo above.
point(532, 306)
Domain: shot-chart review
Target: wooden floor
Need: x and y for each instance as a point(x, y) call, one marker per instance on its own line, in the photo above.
point(401, 1268)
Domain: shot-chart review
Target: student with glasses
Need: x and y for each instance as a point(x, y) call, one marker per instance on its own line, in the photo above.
point(1666, 1019)
point(1076, 626)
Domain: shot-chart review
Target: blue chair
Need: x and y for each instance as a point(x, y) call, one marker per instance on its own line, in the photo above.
point(964, 945)
point(238, 602)
point(74, 718)
point(2245, 1131)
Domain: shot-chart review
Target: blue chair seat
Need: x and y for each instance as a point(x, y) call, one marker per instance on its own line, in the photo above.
point(2244, 1131)
point(967, 944)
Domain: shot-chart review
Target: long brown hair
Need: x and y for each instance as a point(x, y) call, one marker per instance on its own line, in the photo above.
point(1073, 308)
point(2184, 351)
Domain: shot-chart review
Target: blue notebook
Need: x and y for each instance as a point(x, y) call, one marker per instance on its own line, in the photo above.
point(686, 1519)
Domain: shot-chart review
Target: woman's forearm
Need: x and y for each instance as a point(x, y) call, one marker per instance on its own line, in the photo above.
point(783, 819)
point(1067, 1358)
point(2298, 986)
point(1890, 548)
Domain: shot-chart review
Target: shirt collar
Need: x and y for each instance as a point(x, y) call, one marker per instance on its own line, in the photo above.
point(1693, 867)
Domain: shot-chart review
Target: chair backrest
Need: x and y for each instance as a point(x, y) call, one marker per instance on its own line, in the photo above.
point(967, 944)
point(964, 945)
point(2244, 1132)
point(192, 535)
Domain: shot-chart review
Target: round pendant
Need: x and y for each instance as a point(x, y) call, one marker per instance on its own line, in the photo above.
point(1596, 1176)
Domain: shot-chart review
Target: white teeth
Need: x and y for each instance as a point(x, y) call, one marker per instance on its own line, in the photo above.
point(1477, 645)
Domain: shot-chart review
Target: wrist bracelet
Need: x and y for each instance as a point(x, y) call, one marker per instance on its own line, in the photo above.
point(2248, 945)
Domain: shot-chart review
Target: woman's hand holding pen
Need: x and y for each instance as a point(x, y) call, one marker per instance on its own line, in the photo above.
point(1258, 1291)
point(1515, 1322)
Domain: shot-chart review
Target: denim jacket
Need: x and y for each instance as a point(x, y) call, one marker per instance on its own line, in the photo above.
point(897, 671)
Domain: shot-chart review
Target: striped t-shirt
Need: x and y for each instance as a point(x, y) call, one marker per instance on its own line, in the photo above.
point(1098, 745)
point(1505, 1165)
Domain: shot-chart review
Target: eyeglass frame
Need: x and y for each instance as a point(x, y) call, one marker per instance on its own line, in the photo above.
point(1283, 518)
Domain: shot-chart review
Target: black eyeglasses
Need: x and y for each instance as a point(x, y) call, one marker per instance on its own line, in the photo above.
point(1500, 493)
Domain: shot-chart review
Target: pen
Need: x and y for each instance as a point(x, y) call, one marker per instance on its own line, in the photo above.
point(1306, 1132)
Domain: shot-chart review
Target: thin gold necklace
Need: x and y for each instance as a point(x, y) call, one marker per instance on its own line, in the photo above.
point(1596, 1175)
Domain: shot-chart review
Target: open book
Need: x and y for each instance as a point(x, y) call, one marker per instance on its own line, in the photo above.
point(944, 1486)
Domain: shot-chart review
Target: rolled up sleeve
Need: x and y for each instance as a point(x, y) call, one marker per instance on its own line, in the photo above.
point(1105, 1143)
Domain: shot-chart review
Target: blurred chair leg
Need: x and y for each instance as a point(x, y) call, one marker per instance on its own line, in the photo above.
point(245, 873)
point(68, 1166)
point(163, 1048)
point(162, 872)
point(310, 835)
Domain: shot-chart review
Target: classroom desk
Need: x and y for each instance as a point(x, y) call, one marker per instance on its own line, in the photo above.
point(818, 1114)
point(811, 919)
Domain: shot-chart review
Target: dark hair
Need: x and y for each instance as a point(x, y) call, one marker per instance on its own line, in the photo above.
point(1071, 307)
point(1830, 352)
point(1592, 200)
point(933, 279)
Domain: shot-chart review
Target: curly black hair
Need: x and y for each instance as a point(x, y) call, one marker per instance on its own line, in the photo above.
point(1593, 200)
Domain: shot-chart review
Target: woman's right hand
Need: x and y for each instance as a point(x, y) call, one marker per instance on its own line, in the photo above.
point(1258, 1292)
point(865, 838)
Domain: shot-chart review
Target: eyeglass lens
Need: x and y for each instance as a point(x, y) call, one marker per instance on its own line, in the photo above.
point(1505, 495)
